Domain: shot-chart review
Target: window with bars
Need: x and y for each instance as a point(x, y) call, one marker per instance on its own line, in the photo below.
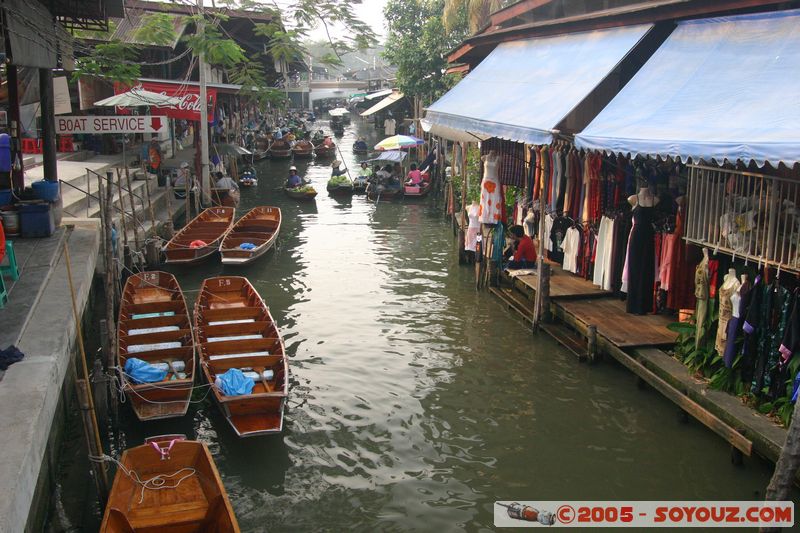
point(745, 214)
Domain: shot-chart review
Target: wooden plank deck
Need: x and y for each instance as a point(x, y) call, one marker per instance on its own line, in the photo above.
point(620, 327)
point(563, 284)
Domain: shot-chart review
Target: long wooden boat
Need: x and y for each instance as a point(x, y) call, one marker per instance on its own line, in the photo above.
point(199, 238)
point(302, 194)
point(322, 150)
point(385, 195)
point(260, 227)
point(234, 329)
point(182, 490)
point(303, 149)
point(418, 192)
point(154, 326)
point(345, 189)
point(280, 149)
point(261, 150)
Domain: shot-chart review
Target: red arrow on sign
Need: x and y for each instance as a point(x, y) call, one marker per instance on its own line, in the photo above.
point(155, 123)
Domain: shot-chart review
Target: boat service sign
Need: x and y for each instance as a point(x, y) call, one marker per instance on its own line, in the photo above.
point(110, 124)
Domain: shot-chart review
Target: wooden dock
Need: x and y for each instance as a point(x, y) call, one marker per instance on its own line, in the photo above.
point(636, 342)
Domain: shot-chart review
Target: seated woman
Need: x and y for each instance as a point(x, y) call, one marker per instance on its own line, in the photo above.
point(524, 251)
point(294, 180)
point(414, 177)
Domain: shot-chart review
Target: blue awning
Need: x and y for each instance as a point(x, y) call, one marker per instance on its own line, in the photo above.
point(720, 88)
point(524, 89)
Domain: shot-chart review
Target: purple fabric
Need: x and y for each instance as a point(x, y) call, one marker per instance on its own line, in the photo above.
point(730, 341)
point(786, 352)
point(748, 328)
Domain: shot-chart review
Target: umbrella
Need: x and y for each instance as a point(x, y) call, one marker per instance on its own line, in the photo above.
point(398, 142)
point(137, 97)
point(338, 112)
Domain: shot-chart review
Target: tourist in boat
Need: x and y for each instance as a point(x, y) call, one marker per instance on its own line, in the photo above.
point(414, 177)
point(336, 171)
point(365, 171)
point(225, 182)
point(294, 179)
point(522, 248)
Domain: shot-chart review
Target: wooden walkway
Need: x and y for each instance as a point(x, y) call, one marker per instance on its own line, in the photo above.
point(634, 341)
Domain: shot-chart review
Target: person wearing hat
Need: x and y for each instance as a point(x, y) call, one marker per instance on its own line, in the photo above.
point(294, 179)
point(336, 170)
point(184, 178)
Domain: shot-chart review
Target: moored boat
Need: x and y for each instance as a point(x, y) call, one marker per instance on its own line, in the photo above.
point(168, 484)
point(303, 149)
point(155, 334)
point(199, 238)
point(325, 150)
point(280, 149)
point(241, 348)
point(251, 236)
point(411, 191)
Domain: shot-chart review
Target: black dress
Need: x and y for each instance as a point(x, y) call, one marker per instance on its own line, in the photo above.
point(641, 262)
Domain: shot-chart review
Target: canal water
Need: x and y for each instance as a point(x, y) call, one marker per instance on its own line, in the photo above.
point(415, 401)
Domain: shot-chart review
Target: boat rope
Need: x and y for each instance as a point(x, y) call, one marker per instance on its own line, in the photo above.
point(159, 482)
point(122, 385)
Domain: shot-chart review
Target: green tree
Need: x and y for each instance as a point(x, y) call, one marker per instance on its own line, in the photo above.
point(476, 12)
point(417, 45)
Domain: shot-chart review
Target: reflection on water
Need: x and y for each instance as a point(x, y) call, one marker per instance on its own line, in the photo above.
point(417, 402)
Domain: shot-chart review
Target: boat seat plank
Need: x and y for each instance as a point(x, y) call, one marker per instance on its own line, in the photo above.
point(244, 328)
point(184, 353)
point(178, 335)
point(155, 307)
point(220, 366)
point(179, 321)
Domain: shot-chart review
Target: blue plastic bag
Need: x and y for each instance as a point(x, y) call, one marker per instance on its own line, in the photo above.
point(234, 383)
point(143, 372)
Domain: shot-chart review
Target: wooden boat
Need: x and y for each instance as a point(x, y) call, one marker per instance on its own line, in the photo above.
point(360, 184)
point(225, 197)
point(199, 238)
point(418, 192)
point(385, 195)
point(342, 189)
point(260, 226)
point(261, 150)
point(280, 149)
point(303, 149)
point(322, 150)
point(304, 194)
point(234, 329)
point(338, 128)
point(154, 326)
point(182, 490)
point(360, 149)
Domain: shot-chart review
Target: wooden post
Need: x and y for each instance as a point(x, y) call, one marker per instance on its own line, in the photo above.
point(132, 201)
point(591, 343)
point(543, 297)
point(123, 222)
point(170, 228)
point(153, 223)
point(780, 486)
point(111, 267)
point(542, 285)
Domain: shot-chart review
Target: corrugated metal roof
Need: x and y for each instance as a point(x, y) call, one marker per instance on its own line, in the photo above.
point(128, 28)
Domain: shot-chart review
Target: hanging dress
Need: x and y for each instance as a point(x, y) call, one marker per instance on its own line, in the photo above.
point(641, 264)
point(730, 287)
point(474, 227)
point(491, 210)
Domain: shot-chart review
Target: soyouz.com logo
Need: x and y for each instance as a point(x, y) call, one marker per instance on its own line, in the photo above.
point(618, 514)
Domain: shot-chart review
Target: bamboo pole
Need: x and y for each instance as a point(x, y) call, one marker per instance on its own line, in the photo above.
point(85, 394)
point(132, 201)
point(123, 223)
point(153, 224)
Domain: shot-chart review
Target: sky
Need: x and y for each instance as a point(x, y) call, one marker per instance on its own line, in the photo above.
point(370, 11)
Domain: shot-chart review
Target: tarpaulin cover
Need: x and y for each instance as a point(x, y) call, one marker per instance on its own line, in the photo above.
point(32, 36)
point(383, 104)
point(524, 89)
point(234, 383)
point(143, 372)
point(718, 88)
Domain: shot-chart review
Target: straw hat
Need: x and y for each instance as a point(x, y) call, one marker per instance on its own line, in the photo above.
point(292, 167)
point(336, 163)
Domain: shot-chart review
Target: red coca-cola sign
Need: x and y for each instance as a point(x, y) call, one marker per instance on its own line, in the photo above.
point(188, 108)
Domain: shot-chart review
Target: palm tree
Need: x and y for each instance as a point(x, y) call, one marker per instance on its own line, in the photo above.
point(477, 12)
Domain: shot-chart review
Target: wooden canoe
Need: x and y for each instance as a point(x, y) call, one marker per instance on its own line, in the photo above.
point(300, 195)
point(418, 192)
point(228, 307)
point(187, 497)
point(154, 326)
point(280, 149)
point(345, 189)
point(325, 151)
point(303, 149)
point(385, 195)
point(260, 226)
point(209, 227)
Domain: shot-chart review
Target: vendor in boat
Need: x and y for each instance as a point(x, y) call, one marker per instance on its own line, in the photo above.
point(365, 171)
point(225, 182)
point(294, 179)
point(360, 144)
point(414, 177)
point(522, 251)
point(335, 170)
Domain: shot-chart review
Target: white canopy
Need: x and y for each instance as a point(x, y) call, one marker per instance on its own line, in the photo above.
point(138, 97)
point(383, 104)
